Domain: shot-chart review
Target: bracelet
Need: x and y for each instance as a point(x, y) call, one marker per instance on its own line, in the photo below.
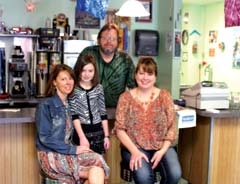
point(107, 137)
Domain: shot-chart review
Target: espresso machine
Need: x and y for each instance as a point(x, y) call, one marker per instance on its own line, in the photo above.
point(18, 74)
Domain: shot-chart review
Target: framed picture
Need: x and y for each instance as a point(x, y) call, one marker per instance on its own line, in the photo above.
point(148, 6)
point(177, 44)
point(84, 20)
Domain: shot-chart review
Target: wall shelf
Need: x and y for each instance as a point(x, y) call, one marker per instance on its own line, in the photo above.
point(18, 35)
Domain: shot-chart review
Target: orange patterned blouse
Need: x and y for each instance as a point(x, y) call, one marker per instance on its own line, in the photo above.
point(147, 128)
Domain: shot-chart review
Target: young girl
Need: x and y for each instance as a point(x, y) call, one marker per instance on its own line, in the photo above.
point(88, 107)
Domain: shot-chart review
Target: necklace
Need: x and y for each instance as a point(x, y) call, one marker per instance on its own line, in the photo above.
point(145, 102)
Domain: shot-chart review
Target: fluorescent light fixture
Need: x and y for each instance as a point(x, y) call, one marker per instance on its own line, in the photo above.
point(132, 8)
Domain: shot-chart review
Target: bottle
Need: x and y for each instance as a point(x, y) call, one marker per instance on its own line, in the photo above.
point(48, 22)
point(67, 27)
point(54, 22)
point(208, 73)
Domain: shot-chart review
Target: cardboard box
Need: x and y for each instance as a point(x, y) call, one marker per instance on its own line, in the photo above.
point(186, 118)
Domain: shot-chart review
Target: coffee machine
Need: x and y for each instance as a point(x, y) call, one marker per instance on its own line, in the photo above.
point(18, 74)
point(48, 55)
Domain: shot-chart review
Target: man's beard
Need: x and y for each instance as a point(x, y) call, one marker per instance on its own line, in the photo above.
point(108, 52)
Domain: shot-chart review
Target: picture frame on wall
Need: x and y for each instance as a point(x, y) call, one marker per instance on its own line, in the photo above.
point(148, 6)
point(85, 20)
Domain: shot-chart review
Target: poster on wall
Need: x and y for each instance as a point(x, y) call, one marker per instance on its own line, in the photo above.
point(168, 42)
point(120, 21)
point(236, 53)
point(111, 17)
point(213, 39)
point(148, 6)
point(177, 44)
point(231, 13)
point(85, 20)
point(231, 46)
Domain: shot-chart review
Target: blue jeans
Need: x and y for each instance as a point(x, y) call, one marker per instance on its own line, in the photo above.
point(169, 167)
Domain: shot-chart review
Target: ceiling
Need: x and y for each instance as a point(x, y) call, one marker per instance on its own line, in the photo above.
point(200, 2)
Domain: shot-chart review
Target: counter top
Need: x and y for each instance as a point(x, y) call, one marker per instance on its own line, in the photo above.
point(17, 115)
point(228, 113)
point(19, 102)
point(27, 115)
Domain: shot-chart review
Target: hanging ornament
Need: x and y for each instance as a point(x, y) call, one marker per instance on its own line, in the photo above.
point(31, 5)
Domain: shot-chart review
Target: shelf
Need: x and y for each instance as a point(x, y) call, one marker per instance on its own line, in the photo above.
point(18, 35)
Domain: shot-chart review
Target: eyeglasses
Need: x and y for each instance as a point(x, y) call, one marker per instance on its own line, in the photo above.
point(105, 38)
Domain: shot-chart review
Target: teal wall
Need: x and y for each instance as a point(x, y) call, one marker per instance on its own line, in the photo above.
point(14, 14)
point(190, 68)
point(204, 19)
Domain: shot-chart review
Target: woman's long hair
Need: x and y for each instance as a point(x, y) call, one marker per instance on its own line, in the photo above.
point(81, 62)
point(51, 89)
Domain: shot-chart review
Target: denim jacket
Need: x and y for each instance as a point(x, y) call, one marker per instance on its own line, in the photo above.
point(50, 120)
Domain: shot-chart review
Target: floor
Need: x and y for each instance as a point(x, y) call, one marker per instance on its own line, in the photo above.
point(182, 181)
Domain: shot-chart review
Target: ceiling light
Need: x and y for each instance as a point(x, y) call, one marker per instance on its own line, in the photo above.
point(132, 8)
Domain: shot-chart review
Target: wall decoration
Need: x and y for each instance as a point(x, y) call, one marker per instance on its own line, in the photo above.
point(231, 11)
point(96, 8)
point(213, 39)
point(110, 16)
point(221, 46)
point(236, 53)
point(120, 21)
point(185, 57)
point(177, 44)
point(211, 52)
point(30, 5)
point(148, 6)
point(195, 47)
point(185, 37)
point(213, 35)
point(194, 32)
point(168, 42)
point(84, 20)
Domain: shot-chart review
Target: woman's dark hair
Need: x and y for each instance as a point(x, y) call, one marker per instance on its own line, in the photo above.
point(148, 65)
point(108, 27)
point(81, 62)
point(51, 89)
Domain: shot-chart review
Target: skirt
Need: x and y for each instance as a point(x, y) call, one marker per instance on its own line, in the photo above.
point(66, 168)
point(94, 134)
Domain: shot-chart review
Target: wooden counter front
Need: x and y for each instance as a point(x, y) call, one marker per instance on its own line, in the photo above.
point(209, 152)
point(19, 164)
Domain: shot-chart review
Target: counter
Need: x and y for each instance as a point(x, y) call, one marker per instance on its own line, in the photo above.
point(17, 115)
point(26, 115)
point(18, 152)
point(209, 152)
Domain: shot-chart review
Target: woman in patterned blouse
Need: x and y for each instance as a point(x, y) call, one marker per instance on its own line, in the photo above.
point(145, 125)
